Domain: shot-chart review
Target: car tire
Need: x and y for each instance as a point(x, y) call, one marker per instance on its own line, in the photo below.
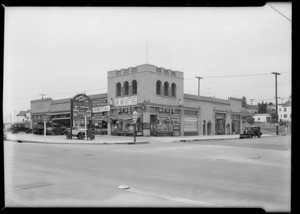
point(80, 136)
point(53, 133)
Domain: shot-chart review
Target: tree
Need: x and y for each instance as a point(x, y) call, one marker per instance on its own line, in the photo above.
point(262, 108)
point(244, 102)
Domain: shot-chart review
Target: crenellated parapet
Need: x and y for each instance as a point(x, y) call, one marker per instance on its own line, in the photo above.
point(41, 100)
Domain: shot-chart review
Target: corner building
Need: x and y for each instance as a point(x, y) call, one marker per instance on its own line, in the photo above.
point(157, 94)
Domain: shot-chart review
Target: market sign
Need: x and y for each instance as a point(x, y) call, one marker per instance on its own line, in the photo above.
point(126, 101)
point(81, 106)
point(101, 109)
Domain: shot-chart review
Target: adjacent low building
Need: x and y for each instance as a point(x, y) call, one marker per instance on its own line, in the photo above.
point(157, 94)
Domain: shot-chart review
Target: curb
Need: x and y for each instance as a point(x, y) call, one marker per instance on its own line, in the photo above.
point(80, 143)
point(195, 140)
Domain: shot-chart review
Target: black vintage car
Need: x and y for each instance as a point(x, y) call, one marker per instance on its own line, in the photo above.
point(19, 127)
point(51, 128)
point(250, 132)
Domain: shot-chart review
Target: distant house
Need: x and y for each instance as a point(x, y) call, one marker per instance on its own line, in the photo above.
point(285, 111)
point(263, 118)
point(25, 115)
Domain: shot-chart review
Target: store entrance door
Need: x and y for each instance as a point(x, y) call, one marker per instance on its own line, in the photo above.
point(153, 121)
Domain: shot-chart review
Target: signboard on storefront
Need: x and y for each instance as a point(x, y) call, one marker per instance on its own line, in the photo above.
point(101, 109)
point(99, 102)
point(126, 101)
point(190, 124)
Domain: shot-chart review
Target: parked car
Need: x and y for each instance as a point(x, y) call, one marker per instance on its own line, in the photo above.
point(250, 132)
point(38, 129)
point(51, 128)
point(55, 129)
point(80, 133)
point(19, 127)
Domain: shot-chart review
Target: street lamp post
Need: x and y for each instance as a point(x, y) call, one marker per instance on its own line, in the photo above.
point(276, 97)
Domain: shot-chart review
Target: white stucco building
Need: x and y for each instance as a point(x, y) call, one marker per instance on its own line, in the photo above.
point(263, 118)
point(285, 112)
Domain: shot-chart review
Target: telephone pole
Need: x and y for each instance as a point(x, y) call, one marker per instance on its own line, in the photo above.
point(42, 95)
point(199, 84)
point(276, 74)
point(251, 104)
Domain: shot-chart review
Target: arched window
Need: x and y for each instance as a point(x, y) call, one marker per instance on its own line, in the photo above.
point(166, 89)
point(158, 87)
point(173, 89)
point(118, 89)
point(126, 88)
point(134, 87)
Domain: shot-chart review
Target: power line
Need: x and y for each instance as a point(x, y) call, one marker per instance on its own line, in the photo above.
point(226, 76)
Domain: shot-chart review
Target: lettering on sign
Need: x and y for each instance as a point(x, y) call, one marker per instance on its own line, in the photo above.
point(126, 101)
point(101, 109)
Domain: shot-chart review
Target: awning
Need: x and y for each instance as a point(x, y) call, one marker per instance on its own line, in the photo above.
point(61, 118)
point(59, 113)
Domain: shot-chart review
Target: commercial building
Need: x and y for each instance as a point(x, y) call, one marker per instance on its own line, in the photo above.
point(157, 94)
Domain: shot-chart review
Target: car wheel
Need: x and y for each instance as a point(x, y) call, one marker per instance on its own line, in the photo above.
point(53, 133)
point(80, 136)
point(258, 135)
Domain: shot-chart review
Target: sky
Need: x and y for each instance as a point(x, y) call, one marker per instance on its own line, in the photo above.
point(63, 51)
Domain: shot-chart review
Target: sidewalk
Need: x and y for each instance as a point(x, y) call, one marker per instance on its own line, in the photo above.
point(103, 139)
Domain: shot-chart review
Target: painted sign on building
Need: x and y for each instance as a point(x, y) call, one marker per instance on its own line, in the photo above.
point(101, 109)
point(190, 124)
point(99, 102)
point(126, 101)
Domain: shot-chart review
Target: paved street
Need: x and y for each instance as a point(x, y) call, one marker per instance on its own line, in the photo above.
point(215, 173)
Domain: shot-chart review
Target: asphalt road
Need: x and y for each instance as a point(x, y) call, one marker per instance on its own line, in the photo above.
point(215, 173)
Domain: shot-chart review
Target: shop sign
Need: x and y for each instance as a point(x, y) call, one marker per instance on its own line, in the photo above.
point(81, 106)
point(99, 102)
point(126, 101)
point(190, 119)
point(190, 124)
point(166, 110)
point(101, 109)
point(176, 120)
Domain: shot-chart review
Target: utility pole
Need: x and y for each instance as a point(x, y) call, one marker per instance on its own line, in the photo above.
point(199, 84)
point(251, 105)
point(276, 74)
point(42, 95)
